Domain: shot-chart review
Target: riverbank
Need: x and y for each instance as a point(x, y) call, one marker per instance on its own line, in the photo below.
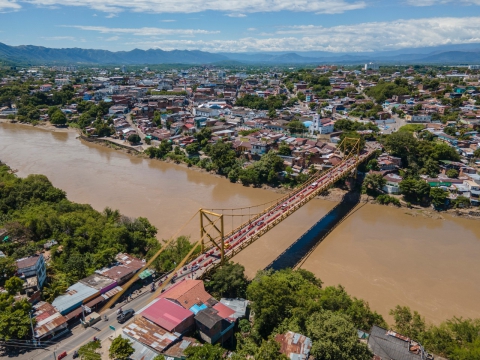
point(333, 195)
point(42, 125)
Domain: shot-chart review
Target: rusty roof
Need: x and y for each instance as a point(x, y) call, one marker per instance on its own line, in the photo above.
point(48, 319)
point(27, 262)
point(187, 293)
point(178, 349)
point(149, 334)
point(294, 346)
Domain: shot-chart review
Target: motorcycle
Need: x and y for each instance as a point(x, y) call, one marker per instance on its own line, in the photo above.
point(75, 354)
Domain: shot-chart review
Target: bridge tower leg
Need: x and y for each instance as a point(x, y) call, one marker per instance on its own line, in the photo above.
point(217, 238)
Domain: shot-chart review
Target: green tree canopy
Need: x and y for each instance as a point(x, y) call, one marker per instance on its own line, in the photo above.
point(120, 349)
point(228, 281)
point(14, 285)
point(89, 351)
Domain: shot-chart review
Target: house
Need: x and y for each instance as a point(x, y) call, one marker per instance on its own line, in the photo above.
point(33, 267)
point(48, 321)
point(387, 344)
point(45, 87)
point(260, 148)
point(177, 351)
point(128, 266)
point(188, 293)
point(118, 109)
point(321, 126)
point(99, 282)
point(169, 315)
point(213, 325)
point(74, 297)
point(294, 346)
point(154, 337)
point(419, 118)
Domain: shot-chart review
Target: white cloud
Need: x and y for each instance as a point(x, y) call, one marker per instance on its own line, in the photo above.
point(441, 2)
point(230, 6)
point(113, 38)
point(371, 36)
point(9, 5)
point(145, 31)
point(239, 15)
point(168, 20)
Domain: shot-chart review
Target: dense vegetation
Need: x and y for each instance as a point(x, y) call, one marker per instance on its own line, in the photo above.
point(260, 103)
point(385, 90)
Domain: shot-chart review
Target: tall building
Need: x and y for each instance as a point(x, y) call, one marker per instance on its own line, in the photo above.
point(372, 66)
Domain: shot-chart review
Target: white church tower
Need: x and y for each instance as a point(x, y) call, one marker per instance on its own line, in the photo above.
point(316, 124)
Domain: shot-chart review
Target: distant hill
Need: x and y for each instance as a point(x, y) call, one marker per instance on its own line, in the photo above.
point(447, 54)
point(39, 54)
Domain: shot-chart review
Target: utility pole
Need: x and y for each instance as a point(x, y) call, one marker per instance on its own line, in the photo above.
point(33, 332)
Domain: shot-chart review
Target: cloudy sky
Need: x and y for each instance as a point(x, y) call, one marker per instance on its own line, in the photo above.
point(240, 25)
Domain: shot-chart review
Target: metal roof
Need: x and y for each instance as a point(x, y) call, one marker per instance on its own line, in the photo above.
point(239, 305)
point(177, 350)
point(48, 319)
point(166, 313)
point(390, 345)
point(74, 296)
point(97, 281)
point(149, 334)
point(295, 346)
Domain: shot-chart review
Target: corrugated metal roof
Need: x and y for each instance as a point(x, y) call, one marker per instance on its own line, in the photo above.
point(74, 296)
point(177, 350)
point(166, 314)
point(224, 311)
point(112, 292)
point(295, 346)
point(390, 345)
point(97, 281)
point(48, 319)
point(148, 333)
point(239, 305)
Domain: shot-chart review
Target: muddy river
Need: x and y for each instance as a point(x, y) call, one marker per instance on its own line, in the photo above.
point(383, 255)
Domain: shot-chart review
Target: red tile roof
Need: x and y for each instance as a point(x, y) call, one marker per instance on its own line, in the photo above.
point(166, 314)
point(223, 310)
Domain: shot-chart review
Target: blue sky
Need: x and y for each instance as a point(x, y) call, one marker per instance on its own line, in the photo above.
point(240, 25)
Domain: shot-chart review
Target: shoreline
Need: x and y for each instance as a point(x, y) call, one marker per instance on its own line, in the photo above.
point(333, 194)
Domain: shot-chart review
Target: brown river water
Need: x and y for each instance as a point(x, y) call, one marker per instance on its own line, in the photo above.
point(378, 253)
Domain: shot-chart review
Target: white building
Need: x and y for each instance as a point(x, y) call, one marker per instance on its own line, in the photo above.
point(372, 66)
point(33, 266)
point(419, 118)
point(320, 126)
point(473, 67)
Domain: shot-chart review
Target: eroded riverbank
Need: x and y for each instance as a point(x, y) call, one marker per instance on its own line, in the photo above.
point(378, 253)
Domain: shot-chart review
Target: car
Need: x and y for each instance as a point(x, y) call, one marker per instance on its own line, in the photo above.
point(314, 185)
point(195, 267)
point(125, 315)
point(260, 223)
point(284, 205)
point(62, 355)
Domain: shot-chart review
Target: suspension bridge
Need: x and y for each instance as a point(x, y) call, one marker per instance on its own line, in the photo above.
point(216, 247)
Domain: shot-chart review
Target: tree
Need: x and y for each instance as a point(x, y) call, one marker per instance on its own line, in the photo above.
point(335, 337)
point(401, 144)
point(269, 350)
point(373, 165)
point(452, 173)
point(408, 323)
point(476, 153)
point(228, 281)
point(461, 202)
point(296, 126)
point(205, 352)
point(7, 268)
point(438, 196)
point(134, 139)
point(14, 318)
point(89, 351)
point(272, 113)
point(374, 182)
point(431, 168)
point(120, 349)
point(13, 285)
point(58, 118)
point(415, 190)
point(284, 149)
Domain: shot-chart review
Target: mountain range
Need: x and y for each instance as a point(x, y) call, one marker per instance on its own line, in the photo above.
point(36, 55)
